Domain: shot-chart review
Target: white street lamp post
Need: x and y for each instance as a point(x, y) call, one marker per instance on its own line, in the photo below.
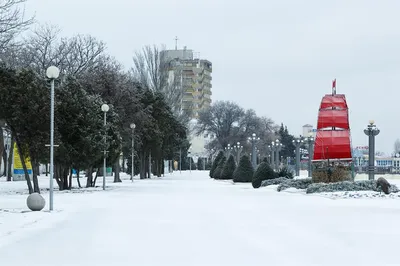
point(133, 151)
point(105, 109)
point(52, 73)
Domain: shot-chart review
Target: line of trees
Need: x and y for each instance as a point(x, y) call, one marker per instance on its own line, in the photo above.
point(88, 78)
point(229, 123)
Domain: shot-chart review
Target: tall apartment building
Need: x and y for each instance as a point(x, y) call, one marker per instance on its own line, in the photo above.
point(195, 77)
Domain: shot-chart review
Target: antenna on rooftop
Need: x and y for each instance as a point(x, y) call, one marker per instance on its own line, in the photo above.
point(176, 42)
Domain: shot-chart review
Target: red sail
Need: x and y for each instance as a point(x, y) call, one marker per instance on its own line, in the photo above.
point(338, 118)
point(333, 145)
point(338, 101)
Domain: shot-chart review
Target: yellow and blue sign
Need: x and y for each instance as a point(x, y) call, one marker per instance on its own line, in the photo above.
point(18, 168)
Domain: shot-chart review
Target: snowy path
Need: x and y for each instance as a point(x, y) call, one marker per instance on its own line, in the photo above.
point(192, 220)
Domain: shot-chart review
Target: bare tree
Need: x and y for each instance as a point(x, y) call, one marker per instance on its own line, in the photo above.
point(45, 47)
point(397, 146)
point(156, 72)
point(12, 21)
point(230, 123)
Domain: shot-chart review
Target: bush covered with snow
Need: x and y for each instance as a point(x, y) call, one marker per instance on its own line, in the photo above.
point(363, 185)
point(275, 181)
point(295, 183)
point(244, 171)
point(228, 169)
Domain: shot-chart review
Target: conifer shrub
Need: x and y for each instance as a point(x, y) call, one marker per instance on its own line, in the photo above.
point(362, 185)
point(263, 172)
point(215, 163)
point(244, 171)
point(228, 169)
point(286, 172)
point(218, 169)
point(295, 183)
point(275, 181)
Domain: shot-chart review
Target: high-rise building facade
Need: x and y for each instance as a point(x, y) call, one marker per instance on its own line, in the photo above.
point(195, 75)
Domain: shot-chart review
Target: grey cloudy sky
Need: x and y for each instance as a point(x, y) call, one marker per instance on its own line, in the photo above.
point(277, 57)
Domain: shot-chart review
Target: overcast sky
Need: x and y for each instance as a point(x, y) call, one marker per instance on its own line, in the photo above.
point(277, 57)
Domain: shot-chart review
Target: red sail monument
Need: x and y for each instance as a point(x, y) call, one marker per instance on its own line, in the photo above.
point(332, 145)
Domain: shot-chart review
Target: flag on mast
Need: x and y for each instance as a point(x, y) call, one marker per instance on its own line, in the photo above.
point(334, 87)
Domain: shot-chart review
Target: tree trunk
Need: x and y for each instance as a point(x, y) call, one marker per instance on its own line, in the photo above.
point(89, 177)
point(142, 165)
point(1, 144)
point(95, 178)
point(70, 178)
point(47, 169)
point(10, 158)
point(77, 178)
point(65, 172)
point(27, 178)
point(35, 177)
point(5, 163)
point(58, 177)
point(117, 178)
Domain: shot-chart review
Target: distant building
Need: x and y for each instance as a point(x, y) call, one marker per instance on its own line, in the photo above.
point(308, 130)
point(195, 78)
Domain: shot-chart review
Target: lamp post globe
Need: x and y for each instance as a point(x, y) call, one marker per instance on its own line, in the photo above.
point(52, 72)
point(105, 108)
point(133, 126)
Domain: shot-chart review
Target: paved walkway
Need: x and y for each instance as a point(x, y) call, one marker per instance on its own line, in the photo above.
point(193, 220)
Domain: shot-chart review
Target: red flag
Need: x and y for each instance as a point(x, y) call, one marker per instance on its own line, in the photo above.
point(334, 87)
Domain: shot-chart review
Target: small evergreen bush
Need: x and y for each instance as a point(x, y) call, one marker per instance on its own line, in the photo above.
point(244, 171)
point(256, 183)
point(218, 169)
point(364, 185)
point(296, 183)
point(286, 172)
point(263, 172)
point(215, 163)
point(228, 169)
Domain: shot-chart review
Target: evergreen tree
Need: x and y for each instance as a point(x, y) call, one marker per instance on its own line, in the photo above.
point(215, 163)
point(287, 142)
point(229, 168)
point(263, 172)
point(218, 170)
point(244, 172)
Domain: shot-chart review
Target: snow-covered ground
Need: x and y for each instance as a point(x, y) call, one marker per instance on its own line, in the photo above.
point(189, 219)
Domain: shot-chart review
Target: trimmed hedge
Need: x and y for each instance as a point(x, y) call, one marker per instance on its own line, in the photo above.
point(364, 185)
point(295, 183)
point(228, 169)
point(244, 171)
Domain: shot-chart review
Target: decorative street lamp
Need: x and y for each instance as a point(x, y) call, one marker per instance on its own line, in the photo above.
point(228, 150)
point(277, 148)
point(52, 73)
point(297, 143)
point(272, 148)
point(371, 131)
point(238, 149)
point(105, 109)
point(310, 145)
point(133, 126)
point(253, 139)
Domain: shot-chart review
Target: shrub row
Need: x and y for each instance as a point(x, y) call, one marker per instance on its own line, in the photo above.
point(295, 183)
point(364, 185)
